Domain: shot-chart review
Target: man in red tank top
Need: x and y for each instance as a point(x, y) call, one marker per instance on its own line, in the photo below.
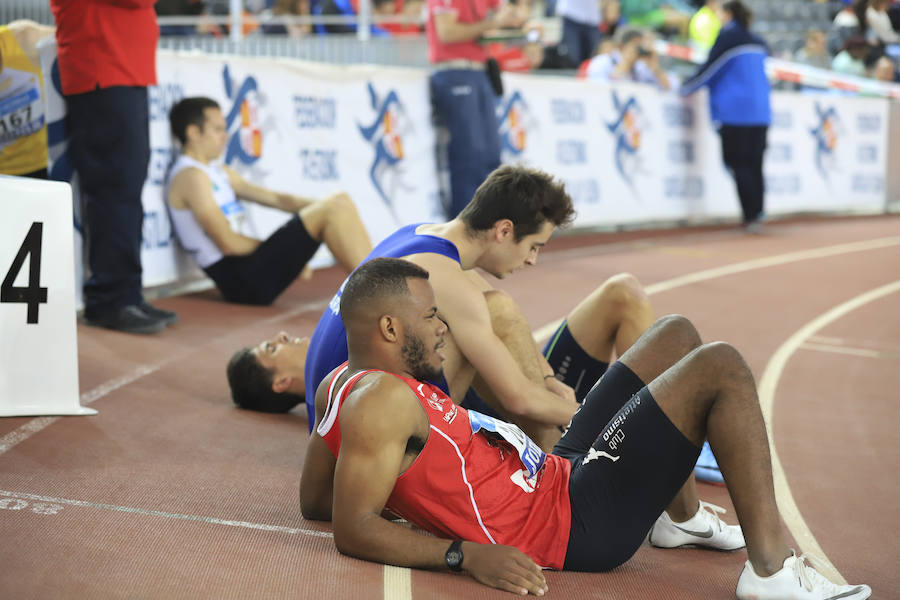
point(499, 507)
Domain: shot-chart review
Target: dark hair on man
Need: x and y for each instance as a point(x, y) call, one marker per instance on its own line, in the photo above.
point(739, 12)
point(527, 197)
point(251, 385)
point(189, 111)
point(377, 279)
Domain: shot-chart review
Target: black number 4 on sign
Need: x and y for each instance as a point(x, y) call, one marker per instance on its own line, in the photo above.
point(32, 294)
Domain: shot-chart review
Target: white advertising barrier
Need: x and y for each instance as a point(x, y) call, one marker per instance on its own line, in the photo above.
point(630, 153)
point(301, 128)
point(38, 353)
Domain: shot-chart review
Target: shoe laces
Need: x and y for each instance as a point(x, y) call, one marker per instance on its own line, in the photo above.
point(709, 511)
point(808, 575)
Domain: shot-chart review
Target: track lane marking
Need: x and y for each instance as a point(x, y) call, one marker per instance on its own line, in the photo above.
point(165, 514)
point(767, 386)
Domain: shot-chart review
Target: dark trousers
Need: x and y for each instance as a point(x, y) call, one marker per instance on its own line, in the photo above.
point(742, 151)
point(464, 102)
point(109, 144)
point(580, 39)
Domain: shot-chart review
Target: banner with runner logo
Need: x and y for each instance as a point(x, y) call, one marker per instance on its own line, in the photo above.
point(629, 154)
point(632, 154)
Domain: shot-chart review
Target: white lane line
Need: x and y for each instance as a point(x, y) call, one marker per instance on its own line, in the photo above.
point(166, 515)
point(547, 330)
point(28, 429)
point(397, 583)
point(864, 352)
point(767, 387)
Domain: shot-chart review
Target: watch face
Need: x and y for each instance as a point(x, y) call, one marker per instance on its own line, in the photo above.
point(454, 559)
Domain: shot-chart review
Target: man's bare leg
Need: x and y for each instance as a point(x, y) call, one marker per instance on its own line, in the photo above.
point(612, 317)
point(335, 222)
point(711, 393)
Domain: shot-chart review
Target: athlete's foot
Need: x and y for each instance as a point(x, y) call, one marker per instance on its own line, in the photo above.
point(795, 581)
point(705, 529)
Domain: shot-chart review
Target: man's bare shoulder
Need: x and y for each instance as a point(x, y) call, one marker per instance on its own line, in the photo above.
point(187, 185)
point(381, 398)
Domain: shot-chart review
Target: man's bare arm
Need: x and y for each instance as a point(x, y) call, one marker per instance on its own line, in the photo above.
point(264, 196)
point(192, 189)
point(376, 423)
point(450, 30)
point(464, 306)
point(317, 481)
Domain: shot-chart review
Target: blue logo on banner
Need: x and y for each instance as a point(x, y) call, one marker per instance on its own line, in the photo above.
point(626, 130)
point(512, 112)
point(825, 134)
point(245, 143)
point(386, 138)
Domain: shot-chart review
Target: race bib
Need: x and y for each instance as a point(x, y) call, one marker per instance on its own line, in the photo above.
point(21, 110)
point(530, 454)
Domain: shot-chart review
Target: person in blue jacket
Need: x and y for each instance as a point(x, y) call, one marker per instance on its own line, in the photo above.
point(739, 104)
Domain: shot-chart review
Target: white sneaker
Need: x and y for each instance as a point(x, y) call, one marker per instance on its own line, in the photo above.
point(795, 581)
point(704, 529)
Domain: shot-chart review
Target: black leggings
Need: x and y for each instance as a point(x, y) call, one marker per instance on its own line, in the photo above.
point(742, 151)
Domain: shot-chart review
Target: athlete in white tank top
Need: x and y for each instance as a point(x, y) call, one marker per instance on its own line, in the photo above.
point(189, 231)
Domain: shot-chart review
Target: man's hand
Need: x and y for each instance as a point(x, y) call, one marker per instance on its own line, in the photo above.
point(508, 16)
point(503, 567)
point(559, 388)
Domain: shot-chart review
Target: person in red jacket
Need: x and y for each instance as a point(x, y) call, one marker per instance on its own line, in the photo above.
point(107, 58)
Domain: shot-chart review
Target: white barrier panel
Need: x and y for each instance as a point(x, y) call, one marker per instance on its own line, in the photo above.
point(38, 353)
point(629, 153)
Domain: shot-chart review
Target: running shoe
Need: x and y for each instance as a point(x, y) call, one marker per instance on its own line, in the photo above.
point(707, 469)
point(795, 581)
point(705, 529)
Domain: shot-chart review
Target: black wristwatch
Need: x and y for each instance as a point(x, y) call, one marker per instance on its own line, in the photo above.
point(454, 556)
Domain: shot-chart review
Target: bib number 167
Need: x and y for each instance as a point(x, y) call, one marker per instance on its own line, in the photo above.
point(32, 294)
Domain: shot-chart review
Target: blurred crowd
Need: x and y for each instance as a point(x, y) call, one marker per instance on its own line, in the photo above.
point(863, 39)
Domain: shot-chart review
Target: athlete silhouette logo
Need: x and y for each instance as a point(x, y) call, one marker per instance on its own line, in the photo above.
point(513, 115)
point(245, 142)
point(626, 131)
point(825, 134)
point(385, 133)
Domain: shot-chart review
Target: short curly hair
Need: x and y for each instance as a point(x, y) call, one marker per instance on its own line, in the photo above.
point(251, 385)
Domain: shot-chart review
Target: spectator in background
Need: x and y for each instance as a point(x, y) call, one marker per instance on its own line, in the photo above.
point(705, 25)
point(462, 93)
point(178, 8)
point(848, 22)
point(665, 16)
point(813, 52)
point(23, 128)
point(521, 56)
point(288, 8)
point(107, 58)
point(580, 28)
point(851, 59)
point(610, 18)
point(333, 8)
point(633, 59)
point(880, 29)
point(739, 104)
point(885, 70)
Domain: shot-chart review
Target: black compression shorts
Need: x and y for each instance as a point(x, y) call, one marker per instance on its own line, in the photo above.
point(628, 462)
point(259, 277)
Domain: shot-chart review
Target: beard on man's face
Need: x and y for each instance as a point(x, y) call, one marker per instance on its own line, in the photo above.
point(414, 357)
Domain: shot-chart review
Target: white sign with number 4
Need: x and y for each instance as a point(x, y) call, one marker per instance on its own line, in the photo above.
point(38, 350)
